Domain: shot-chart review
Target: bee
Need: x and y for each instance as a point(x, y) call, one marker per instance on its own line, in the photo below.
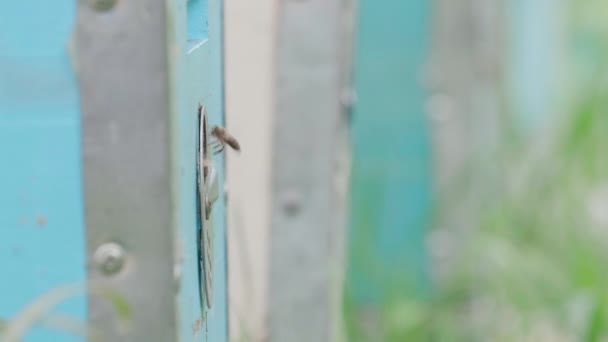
point(224, 138)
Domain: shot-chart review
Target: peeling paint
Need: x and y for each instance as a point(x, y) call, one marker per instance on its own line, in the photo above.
point(196, 326)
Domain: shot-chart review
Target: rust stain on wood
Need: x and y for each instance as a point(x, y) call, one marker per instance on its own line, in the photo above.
point(41, 221)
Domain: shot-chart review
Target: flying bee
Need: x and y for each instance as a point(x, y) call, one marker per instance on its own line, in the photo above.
point(223, 138)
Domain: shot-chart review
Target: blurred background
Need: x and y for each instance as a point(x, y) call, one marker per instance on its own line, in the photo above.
point(478, 198)
point(411, 170)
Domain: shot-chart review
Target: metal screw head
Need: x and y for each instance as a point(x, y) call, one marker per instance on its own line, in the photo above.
point(102, 5)
point(109, 258)
point(292, 202)
point(348, 97)
point(441, 108)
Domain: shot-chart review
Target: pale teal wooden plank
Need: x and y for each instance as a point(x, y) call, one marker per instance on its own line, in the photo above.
point(533, 61)
point(199, 79)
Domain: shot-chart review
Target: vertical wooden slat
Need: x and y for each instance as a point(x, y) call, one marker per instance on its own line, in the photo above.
point(308, 168)
point(391, 177)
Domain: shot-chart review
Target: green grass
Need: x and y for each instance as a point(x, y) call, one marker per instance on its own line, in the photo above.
point(536, 265)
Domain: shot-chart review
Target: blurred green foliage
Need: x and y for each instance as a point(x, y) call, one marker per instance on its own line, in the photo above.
point(535, 266)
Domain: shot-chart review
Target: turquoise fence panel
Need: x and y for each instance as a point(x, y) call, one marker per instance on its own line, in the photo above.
point(199, 80)
point(42, 230)
point(391, 175)
point(42, 244)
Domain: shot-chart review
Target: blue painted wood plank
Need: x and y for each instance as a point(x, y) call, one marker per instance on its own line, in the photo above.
point(391, 176)
point(42, 241)
point(198, 69)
